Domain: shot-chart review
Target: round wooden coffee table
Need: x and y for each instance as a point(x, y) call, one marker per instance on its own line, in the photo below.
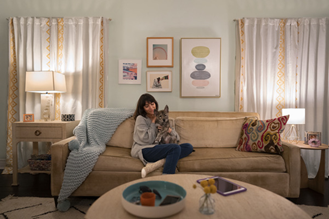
point(256, 202)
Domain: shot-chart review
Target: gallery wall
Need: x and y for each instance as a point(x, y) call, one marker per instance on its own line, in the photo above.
point(135, 20)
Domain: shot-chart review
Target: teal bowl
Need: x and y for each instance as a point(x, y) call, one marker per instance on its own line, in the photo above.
point(131, 195)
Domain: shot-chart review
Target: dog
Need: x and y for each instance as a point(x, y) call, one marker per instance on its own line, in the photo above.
point(162, 120)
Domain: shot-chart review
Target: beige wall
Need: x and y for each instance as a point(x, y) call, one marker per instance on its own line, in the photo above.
point(134, 20)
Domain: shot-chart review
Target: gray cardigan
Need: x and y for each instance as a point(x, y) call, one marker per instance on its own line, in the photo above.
point(145, 133)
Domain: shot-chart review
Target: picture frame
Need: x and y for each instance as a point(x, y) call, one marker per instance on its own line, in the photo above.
point(310, 135)
point(159, 81)
point(200, 67)
point(160, 52)
point(130, 71)
point(28, 117)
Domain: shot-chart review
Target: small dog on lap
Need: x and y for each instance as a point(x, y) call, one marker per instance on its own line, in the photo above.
point(162, 120)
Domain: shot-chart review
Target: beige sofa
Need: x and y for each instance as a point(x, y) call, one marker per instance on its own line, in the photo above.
point(214, 136)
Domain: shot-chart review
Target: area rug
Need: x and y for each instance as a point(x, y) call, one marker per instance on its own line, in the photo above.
point(13, 207)
point(315, 211)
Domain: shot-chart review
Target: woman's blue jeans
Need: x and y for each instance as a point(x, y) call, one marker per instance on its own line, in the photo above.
point(172, 153)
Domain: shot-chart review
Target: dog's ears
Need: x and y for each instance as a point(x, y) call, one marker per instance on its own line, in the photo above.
point(166, 109)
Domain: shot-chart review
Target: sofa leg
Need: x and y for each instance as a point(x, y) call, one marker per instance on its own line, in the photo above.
point(55, 200)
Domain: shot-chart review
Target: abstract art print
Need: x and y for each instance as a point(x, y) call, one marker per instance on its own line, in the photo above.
point(130, 71)
point(160, 51)
point(200, 67)
point(159, 81)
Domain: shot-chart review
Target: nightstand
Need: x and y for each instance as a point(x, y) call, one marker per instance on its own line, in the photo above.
point(35, 132)
point(316, 184)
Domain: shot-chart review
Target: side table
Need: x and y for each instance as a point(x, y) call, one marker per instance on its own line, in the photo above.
point(316, 184)
point(39, 131)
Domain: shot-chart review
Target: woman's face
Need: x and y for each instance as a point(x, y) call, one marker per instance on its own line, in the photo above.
point(149, 108)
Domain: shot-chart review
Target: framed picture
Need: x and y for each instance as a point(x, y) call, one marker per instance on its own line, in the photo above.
point(159, 81)
point(160, 51)
point(130, 71)
point(28, 118)
point(312, 138)
point(200, 67)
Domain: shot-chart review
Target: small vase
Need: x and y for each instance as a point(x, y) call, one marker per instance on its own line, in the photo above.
point(207, 204)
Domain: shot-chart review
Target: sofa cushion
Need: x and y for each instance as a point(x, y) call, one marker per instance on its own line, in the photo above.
point(123, 136)
point(117, 159)
point(230, 160)
point(209, 131)
point(262, 135)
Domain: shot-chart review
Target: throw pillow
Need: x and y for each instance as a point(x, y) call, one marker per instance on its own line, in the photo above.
point(262, 135)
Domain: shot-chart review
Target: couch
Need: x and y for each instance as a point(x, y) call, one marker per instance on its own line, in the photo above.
point(214, 136)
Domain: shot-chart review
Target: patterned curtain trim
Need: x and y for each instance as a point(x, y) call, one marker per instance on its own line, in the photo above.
point(281, 70)
point(242, 71)
point(60, 45)
point(12, 99)
point(101, 72)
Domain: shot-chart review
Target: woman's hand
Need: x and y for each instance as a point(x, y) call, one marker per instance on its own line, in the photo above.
point(169, 130)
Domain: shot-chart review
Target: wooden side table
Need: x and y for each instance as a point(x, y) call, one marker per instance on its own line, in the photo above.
point(39, 131)
point(316, 184)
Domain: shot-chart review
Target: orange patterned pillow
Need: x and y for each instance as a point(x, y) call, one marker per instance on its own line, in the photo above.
point(262, 135)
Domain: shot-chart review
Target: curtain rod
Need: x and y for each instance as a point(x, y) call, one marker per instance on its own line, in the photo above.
point(55, 17)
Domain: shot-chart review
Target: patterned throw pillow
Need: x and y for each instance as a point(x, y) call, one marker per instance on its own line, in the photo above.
point(262, 135)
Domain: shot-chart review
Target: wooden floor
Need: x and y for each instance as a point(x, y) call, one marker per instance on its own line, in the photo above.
point(38, 185)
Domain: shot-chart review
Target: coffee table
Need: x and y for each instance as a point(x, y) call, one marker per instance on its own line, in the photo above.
point(256, 202)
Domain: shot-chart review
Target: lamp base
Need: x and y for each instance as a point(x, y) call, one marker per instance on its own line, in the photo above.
point(292, 134)
point(47, 107)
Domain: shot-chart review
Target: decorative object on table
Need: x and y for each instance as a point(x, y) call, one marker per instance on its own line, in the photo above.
point(312, 138)
point(47, 83)
point(262, 135)
point(206, 202)
point(160, 51)
point(147, 199)
point(297, 117)
point(131, 195)
point(68, 117)
point(159, 81)
point(200, 67)
point(41, 162)
point(28, 118)
point(130, 71)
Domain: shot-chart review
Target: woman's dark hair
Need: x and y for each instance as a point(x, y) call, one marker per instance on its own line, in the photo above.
point(145, 98)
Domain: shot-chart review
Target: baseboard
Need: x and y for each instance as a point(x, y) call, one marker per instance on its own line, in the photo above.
point(2, 164)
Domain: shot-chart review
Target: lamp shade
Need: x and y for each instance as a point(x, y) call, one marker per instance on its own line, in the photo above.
point(297, 115)
point(45, 82)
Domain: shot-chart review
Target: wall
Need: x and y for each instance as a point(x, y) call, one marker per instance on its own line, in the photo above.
point(135, 20)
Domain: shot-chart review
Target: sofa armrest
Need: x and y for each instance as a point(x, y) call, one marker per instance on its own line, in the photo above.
point(59, 154)
point(291, 156)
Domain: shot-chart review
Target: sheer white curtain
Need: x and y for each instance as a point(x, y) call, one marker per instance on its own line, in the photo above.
point(283, 63)
point(75, 47)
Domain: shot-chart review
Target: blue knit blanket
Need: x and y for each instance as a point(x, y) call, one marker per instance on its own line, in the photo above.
point(93, 132)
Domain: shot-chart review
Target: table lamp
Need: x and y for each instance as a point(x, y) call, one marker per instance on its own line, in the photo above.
point(47, 83)
point(296, 117)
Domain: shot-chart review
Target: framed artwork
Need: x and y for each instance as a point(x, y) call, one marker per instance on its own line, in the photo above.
point(130, 71)
point(312, 138)
point(160, 51)
point(159, 81)
point(200, 67)
point(28, 118)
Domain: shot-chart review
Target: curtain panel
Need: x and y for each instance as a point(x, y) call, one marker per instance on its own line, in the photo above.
point(75, 47)
point(283, 63)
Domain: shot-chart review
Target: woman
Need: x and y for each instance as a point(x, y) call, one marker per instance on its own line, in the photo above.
point(145, 133)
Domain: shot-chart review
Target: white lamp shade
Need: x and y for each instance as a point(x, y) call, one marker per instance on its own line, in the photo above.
point(297, 115)
point(45, 82)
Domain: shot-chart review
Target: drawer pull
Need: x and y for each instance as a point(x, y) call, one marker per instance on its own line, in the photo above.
point(37, 133)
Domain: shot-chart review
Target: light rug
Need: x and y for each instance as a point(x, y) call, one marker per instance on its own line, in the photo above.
point(13, 207)
point(315, 211)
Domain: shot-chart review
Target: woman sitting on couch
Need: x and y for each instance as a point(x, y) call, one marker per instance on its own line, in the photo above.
point(145, 133)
